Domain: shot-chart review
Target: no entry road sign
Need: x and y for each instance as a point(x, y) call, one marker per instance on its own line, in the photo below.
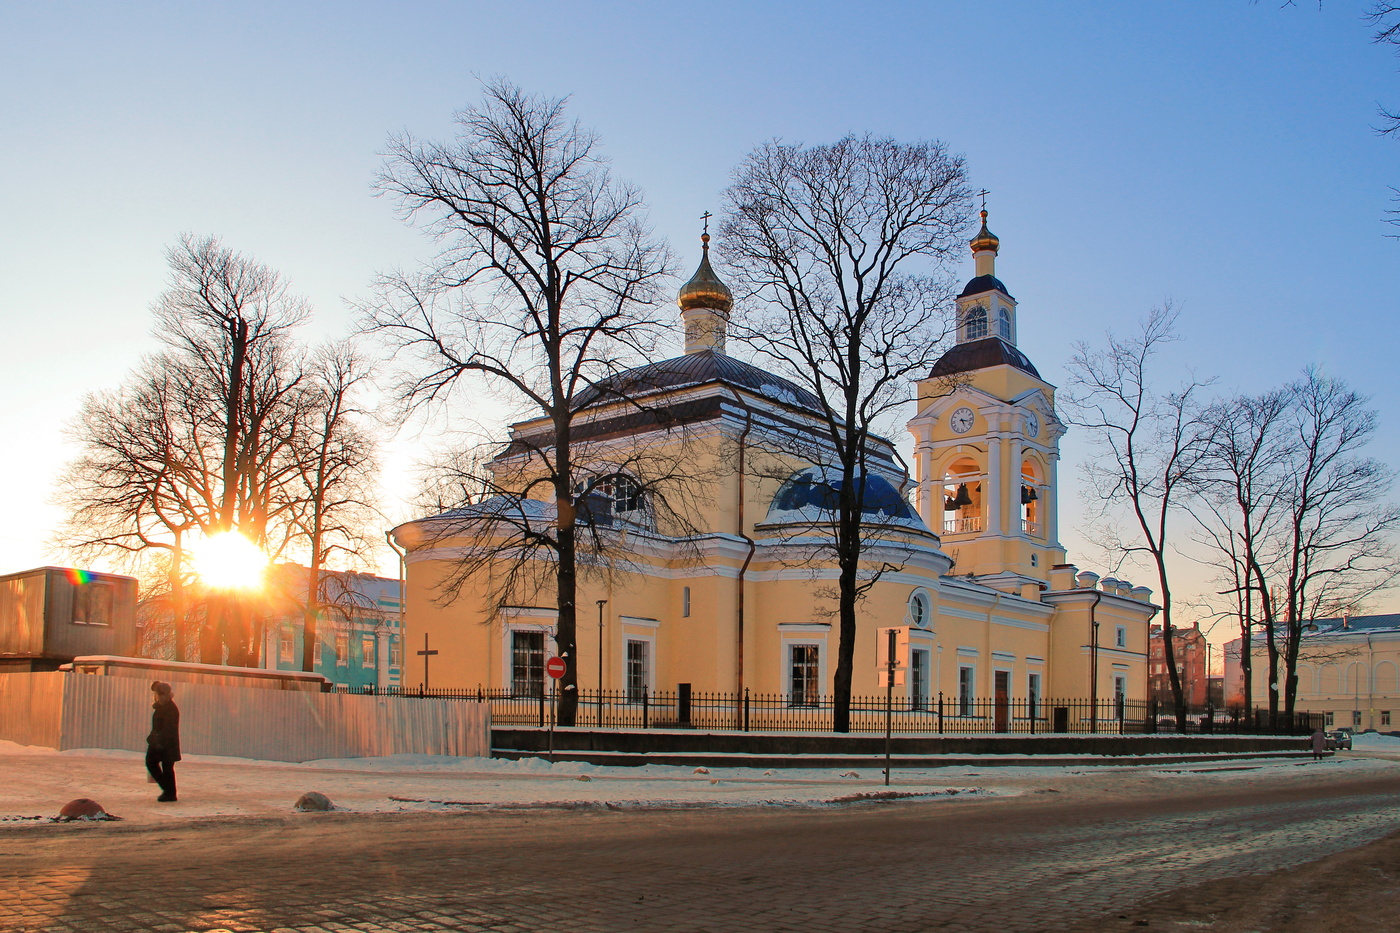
point(555, 667)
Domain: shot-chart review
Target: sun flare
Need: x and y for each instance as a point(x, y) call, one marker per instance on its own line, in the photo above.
point(229, 561)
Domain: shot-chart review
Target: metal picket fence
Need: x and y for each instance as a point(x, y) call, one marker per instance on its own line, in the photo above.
point(937, 714)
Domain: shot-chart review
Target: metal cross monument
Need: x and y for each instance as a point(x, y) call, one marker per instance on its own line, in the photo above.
point(426, 653)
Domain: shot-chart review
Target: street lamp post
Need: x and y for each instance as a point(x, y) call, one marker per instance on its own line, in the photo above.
point(601, 604)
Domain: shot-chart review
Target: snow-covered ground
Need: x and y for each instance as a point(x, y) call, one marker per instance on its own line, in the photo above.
point(37, 782)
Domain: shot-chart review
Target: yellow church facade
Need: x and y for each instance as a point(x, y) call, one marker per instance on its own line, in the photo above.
point(707, 519)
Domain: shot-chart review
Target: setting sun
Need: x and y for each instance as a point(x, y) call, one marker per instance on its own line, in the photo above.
point(229, 561)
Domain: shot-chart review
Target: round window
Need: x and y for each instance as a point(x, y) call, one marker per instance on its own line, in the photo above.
point(920, 609)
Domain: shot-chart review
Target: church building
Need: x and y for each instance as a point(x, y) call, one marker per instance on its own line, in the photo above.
point(731, 585)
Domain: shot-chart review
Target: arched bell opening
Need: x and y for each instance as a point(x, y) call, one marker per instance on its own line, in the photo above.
point(1032, 483)
point(962, 497)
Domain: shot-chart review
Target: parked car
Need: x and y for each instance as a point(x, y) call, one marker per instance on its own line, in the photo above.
point(1339, 738)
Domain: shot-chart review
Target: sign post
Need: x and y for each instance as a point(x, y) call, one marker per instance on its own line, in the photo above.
point(555, 667)
point(893, 649)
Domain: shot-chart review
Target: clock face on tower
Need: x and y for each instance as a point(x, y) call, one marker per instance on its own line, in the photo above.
point(1032, 425)
point(961, 421)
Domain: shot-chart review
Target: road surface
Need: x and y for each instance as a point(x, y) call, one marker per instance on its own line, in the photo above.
point(1070, 852)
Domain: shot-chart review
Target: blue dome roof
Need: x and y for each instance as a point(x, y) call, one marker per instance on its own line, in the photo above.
point(812, 495)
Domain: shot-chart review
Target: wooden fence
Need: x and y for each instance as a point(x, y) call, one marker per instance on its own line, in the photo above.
point(63, 710)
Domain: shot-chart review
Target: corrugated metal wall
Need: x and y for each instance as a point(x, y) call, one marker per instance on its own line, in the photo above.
point(244, 722)
point(31, 708)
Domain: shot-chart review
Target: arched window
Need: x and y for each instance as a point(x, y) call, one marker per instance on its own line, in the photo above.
point(1004, 325)
point(962, 497)
point(617, 497)
point(975, 323)
point(920, 608)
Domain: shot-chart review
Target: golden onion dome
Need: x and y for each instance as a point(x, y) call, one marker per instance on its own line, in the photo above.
point(985, 239)
point(705, 290)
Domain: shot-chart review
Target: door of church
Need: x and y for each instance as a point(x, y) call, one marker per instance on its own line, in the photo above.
point(1003, 700)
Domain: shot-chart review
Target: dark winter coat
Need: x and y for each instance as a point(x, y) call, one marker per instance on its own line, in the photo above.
point(165, 730)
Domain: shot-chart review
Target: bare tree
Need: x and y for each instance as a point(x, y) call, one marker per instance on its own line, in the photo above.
point(141, 484)
point(1240, 480)
point(1335, 547)
point(546, 283)
point(845, 247)
point(1151, 445)
point(334, 457)
point(209, 435)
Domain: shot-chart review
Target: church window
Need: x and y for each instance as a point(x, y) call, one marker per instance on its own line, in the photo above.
point(286, 649)
point(638, 670)
point(1122, 636)
point(919, 609)
point(685, 602)
point(975, 323)
point(1004, 325)
point(804, 669)
point(612, 498)
point(965, 688)
point(526, 664)
point(367, 651)
point(1032, 694)
point(918, 678)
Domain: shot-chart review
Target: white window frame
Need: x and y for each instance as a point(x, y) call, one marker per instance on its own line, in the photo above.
point(1004, 328)
point(1120, 638)
point(976, 314)
point(509, 670)
point(966, 708)
point(523, 619)
point(927, 678)
point(1035, 690)
point(648, 644)
point(923, 599)
point(367, 658)
point(786, 659)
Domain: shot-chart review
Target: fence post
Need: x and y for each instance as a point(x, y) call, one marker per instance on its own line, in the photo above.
point(646, 708)
point(541, 704)
point(746, 709)
point(1030, 705)
point(683, 704)
point(940, 712)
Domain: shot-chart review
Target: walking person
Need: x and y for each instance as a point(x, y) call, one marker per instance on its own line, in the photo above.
point(1319, 743)
point(163, 744)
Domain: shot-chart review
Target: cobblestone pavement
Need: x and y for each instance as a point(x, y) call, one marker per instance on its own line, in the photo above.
point(1038, 862)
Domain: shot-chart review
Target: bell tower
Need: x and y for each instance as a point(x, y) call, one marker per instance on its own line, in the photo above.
point(986, 441)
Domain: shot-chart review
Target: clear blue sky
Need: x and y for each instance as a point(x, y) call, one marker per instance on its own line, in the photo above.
point(1216, 153)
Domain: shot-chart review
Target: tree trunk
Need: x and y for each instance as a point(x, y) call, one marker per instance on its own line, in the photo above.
point(177, 601)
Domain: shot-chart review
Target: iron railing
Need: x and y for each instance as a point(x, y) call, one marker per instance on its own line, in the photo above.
point(938, 714)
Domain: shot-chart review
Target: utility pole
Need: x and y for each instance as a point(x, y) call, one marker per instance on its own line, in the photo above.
point(601, 604)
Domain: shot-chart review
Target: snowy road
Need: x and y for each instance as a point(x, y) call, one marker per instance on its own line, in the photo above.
point(1040, 849)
